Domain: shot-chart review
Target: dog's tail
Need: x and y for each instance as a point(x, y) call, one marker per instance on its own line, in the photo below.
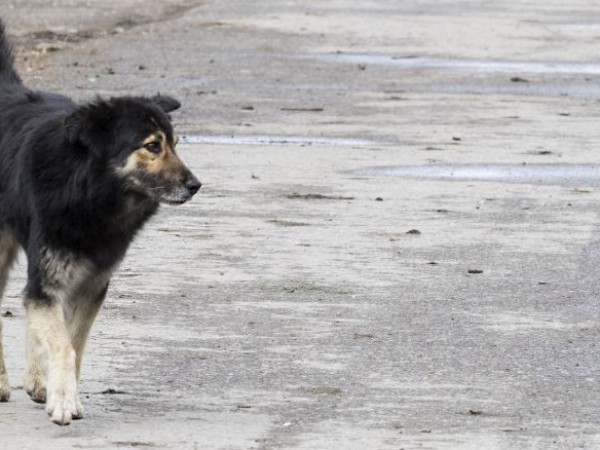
point(8, 75)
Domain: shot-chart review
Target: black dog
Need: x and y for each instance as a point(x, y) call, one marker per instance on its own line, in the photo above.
point(76, 184)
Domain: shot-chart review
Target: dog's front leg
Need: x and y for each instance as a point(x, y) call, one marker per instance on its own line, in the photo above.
point(48, 334)
point(81, 312)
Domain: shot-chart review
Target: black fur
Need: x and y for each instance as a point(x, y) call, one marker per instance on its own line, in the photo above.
point(58, 183)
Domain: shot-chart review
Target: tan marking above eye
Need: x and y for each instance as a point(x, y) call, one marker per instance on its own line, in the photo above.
point(154, 137)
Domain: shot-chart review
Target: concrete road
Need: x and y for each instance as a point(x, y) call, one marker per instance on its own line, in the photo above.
point(397, 244)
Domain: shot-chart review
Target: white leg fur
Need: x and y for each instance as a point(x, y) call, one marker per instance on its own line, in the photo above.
point(8, 252)
point(47, 329)
point(80, 318)
point(37, 364)
point(57, 333)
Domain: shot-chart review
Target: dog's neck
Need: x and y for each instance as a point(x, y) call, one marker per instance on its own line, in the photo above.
point(135, 209)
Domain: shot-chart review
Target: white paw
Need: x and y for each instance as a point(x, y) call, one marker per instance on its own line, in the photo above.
point(63, 408)
point(4, 388)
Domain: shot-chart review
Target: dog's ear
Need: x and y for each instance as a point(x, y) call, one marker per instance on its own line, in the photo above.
point(166, 103)
point(89, 124)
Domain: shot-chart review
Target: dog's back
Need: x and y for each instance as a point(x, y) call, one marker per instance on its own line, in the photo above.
point(12, 90)
point(19, 106)
point(22, 115)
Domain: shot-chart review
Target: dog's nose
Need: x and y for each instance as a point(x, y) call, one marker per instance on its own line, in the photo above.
point(192, 186)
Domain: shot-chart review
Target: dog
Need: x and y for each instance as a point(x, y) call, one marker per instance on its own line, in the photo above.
point(77, 181)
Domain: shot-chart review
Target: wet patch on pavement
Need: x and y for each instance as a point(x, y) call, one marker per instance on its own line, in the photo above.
point(275, 140)
point(541, 174)
point(460, 64)
point(483, 76)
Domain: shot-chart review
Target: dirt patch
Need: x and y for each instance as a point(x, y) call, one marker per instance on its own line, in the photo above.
point(296, 196)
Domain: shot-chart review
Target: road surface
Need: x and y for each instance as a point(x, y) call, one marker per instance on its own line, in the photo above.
point(397, 244)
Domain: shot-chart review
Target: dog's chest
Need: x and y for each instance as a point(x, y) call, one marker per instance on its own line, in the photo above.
point(65, 273)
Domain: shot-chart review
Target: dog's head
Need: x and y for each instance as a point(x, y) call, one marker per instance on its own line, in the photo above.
point(134, 137)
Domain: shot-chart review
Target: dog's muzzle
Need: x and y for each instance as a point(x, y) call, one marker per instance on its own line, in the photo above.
point(181, 193)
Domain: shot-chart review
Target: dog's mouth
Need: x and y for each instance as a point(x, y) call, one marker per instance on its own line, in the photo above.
point(179, 197)
point(180, 194)
point(173, 201)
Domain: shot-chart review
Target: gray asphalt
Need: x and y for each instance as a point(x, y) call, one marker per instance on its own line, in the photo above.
point(396, 246)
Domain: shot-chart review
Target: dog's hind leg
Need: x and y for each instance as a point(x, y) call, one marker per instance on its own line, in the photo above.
point(8, 252)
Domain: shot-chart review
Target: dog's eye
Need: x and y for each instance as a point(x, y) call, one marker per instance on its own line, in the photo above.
point(153, 147)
